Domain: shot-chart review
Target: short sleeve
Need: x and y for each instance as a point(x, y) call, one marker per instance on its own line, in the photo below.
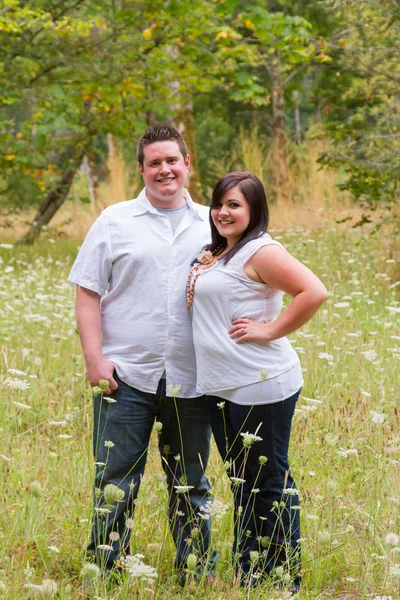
point(93, 264)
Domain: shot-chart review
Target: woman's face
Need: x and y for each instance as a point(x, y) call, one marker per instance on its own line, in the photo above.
point(231, 216)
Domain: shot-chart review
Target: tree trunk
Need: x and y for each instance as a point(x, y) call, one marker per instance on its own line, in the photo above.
point(54, 199)
point(297, 117)
point(280, 139)
point(117, 171)
point(185, 125)
point(90, 168)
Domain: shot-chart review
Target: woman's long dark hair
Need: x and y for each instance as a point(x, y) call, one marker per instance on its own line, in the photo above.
point(253, 190)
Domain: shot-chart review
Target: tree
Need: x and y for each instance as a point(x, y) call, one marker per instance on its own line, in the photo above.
point(362, 104)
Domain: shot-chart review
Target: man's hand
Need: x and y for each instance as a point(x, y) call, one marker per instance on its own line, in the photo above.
point(102, 369)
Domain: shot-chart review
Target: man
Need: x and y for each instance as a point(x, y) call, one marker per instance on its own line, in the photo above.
point(131, 274)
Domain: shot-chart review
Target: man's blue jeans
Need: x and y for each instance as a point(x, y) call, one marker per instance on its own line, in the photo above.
point(184, 445)
point(267, 518)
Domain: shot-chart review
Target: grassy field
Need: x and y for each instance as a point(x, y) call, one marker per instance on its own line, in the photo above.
point(345, 449)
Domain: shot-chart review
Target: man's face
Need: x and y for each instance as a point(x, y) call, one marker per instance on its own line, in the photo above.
point(164, 173)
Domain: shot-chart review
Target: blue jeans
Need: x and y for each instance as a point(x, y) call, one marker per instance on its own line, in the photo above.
point(272, 530)
point(128, 423)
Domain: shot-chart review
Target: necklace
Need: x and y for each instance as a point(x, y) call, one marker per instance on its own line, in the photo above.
point(205, 260)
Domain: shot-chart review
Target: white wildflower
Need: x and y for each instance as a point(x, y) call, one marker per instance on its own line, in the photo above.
point(395, 570)
point(346, 453)
point(214, 509)
point(342, 305)
point(250, 438)
point(291, 491)
point(109, 399)
point(102, 511)
point(109, 444)
point(392, 539)
point(53, 549)
point(129, 523)
point(18, 384)
point(182, 489)
point(173, 390)
point(237, 480)
point(325, 356)
point(64, 436)
point(370, 355)
point(137, 569)
point(114, 536)
point(378, 418)
point(22, 405)
point(16, 372)
point(105, 547)
point(221, 405)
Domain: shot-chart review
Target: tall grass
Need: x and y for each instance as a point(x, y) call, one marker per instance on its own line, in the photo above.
point(305, 191)
point(345, 447)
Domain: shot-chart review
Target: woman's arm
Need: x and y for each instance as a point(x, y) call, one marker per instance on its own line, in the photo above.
point(280, 270)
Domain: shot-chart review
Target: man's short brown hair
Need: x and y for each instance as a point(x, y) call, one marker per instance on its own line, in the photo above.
point(159, 133)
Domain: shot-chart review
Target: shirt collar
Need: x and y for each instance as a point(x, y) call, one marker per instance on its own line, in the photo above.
point(143, 205)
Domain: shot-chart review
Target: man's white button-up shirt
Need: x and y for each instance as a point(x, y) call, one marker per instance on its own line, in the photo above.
point(133, 260)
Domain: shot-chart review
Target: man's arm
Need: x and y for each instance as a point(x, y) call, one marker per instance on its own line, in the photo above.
point(88, 320)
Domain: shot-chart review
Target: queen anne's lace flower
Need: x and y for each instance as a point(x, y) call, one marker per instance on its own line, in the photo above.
point(138, 569)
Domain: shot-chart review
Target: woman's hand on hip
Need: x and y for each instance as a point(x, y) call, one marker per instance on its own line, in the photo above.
point(246, 330)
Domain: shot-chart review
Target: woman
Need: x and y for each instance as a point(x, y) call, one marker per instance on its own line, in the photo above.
point(250, 371)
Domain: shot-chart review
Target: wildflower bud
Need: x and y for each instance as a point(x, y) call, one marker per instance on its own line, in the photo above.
point(254, 556)
point(90, 572)
point(96, 390)
point(109, 444)
point(103, 385)
point(97, 492)
point(195, 532)
point(240, 510)
point(265, 541)
point(36, 489)
point(332, 486)
point(153, 548)
point(262, 460)
point(264, 375)
point(350, 529)
point(286, 578)
point(157, 426)
point(112, 493)
point(282, 504)
point(227, 466)
point(279, 571)
point(275, 504)
point(191, 562)
point(49, 588)
point(324, 537)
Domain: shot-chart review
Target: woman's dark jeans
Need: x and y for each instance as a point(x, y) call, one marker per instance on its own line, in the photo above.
point(128, 424)
point(267, 520)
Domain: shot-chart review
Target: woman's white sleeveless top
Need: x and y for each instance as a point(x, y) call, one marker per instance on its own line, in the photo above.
point(224, 293)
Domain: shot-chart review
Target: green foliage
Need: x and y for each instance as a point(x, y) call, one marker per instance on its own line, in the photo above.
point(362, 103)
